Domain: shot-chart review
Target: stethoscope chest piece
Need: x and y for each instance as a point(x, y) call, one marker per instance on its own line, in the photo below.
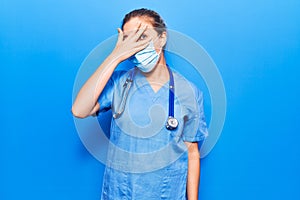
point(172, 123)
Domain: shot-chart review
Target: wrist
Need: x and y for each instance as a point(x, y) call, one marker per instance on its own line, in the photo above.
point(116, 56)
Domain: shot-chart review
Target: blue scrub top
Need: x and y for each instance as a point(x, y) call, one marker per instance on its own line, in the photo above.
point(145, 160)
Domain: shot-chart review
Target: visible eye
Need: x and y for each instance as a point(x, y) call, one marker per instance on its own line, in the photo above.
point(143, 36)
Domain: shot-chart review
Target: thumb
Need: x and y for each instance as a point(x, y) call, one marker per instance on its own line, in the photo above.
point(120, 34)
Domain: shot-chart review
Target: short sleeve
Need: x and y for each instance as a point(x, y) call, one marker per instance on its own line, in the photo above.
point(106, 96)
point(195, 128)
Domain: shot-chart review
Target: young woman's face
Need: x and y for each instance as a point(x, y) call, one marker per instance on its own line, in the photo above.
point(133, 25)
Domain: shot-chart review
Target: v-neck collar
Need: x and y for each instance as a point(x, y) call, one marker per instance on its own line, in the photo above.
point(142, 82)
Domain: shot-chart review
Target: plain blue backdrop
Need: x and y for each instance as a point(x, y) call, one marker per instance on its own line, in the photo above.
point(255, 44)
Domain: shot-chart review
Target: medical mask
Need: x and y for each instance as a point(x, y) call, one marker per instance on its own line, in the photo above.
point(146, 59)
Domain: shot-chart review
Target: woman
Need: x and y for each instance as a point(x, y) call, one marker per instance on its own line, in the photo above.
point(153, 154)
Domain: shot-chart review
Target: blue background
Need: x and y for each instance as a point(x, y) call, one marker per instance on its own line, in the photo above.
point(255, 44)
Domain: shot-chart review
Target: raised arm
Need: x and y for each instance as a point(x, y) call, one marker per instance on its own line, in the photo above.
point(86, 103)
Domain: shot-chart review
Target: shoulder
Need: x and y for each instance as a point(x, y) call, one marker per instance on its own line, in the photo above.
point(119, 74)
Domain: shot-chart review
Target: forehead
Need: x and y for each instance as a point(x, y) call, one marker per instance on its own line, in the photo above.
point(134, 23)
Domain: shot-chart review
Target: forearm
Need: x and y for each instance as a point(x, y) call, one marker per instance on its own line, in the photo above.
point(193, 176)
point(86, 98)
point(85, 103)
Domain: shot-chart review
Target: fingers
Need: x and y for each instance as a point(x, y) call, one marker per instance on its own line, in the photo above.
point(142, 28)
point(120, 34)
point(138, 28)
point(142, 44)
point(131, 42)
point(136, 34)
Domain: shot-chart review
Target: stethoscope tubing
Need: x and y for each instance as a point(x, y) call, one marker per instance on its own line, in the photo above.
point(126, 87)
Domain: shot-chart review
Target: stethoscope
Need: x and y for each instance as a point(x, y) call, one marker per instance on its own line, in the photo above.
point(172, 122)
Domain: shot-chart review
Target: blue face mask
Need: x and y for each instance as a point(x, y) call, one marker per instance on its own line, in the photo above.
point(146, 59)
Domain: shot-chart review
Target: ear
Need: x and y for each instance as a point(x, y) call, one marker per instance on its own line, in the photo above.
point(163, 39)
